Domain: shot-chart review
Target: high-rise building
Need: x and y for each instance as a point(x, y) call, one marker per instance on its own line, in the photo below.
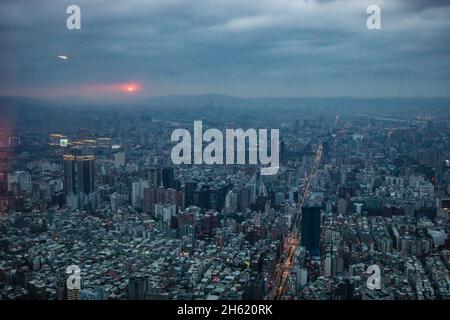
point(3, 182)
point(255, 288)
point(164, 213)
point(310, 230)
point(154, 177)
point(328, 265)
point(282, 152)
point(186, 223)
point(149, 200)
point(189, 191)
point(73, 294)
point(137, 193)
point(301, 277)
point(230, 202)
point(137, 287)
point(117, 200)
point(326, 150)
point(22, 179)
point(180, 200)
point(244, 199)
point(153, 196)
point(119, 159)
point(79, 174)
point(168, 177)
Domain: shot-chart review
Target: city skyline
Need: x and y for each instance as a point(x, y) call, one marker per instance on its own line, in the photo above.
point(225, 151)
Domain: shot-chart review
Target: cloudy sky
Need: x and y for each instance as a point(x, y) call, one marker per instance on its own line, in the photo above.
point(248, 48)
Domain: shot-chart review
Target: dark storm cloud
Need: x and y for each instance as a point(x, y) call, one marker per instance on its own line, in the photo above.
point(417, 4)
point(252, 48)
point(425, 4)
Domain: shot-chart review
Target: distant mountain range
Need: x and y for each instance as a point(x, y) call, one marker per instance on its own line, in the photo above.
point(434, 106)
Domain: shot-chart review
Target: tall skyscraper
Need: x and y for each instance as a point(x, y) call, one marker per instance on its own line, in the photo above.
point(137, 287)
point(73, 294)
point(161, 195)
point(326, 150)
point(154, 177)
point(79, 174)
point(255, 288)
point(282, 152)
point(310, 230)
point(231, 202)
point(120, 159)
point(244, 199)
point(189, 190)
point(21, 178)
point(137, 193)
point(149, 200)
point(168, 177)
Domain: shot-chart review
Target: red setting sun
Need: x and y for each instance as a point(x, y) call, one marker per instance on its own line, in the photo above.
point(112, 88)
point(131, 87)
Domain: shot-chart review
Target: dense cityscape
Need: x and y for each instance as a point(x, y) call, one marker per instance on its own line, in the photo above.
point(96, 188)
point(207, 159)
